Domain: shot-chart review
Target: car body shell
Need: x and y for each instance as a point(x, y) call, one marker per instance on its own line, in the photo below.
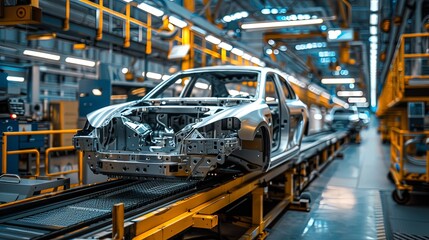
point(344, 119)
point(191, 136)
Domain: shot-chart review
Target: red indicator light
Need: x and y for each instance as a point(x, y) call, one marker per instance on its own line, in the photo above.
point(13, 116)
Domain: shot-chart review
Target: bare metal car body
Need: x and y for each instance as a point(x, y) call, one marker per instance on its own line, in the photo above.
point(195, 121)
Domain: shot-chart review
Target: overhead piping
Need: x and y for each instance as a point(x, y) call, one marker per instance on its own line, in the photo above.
point(394, 35)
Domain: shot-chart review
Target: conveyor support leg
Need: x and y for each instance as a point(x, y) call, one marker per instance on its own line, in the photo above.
point(118, 221)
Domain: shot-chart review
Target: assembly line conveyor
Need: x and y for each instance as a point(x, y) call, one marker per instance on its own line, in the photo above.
point(163, 209)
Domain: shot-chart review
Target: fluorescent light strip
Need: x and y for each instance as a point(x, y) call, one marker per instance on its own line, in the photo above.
point(127, 1)
point(213, 39)
point(41, 55)
point(15, 79)
point(237, 51)
point(314, 89)
point(373, 30)
point(340, 102)
point(165, 77)
point(153, 75)
point(338, 80)
point(79, 61)
point(177, 22)
point(225, 46)
point(247, 56)
point(373, 19)
point(356, 99)
point(374, 6)
point(151, 10)
point(276, 24)
point(326, 95)
point(293, 79)
point(350, 93)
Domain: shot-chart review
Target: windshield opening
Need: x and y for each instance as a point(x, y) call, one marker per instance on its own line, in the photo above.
point(215, 84)
point(344, 112)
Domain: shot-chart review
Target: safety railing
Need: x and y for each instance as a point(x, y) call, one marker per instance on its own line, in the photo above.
point(405, 175)
point(48, 151)
point(406, 72)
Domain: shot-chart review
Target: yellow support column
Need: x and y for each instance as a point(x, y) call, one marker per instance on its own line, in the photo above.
point(127, 26)
point(118, 221)
point(149, 35)
point(100, 21)
point(66, 23)
point(187, 38)
point(258, 209)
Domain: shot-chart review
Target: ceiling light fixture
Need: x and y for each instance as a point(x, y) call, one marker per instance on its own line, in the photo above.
point(177, 22)
point(165, 77)
point(41, 55)
point(374, 5)
point(247, 56)
point(153, 75)
point(79, 61)
point(225, 46)
point(326, 95)
point(340, 102)
point(356, 99)
point(314, 89)
point(237, 51)
point(350, 93)
point(15, 79)
point(213, 39)
point(373, 19)
point(338, 80)
point(151, 10)
point(280, 24)
point(294, 80)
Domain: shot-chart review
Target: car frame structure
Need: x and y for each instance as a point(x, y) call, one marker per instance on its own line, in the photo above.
point(344, 118)
point(198, 121)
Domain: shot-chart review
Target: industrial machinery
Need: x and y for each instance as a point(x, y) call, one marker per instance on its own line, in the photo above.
point(196, 121)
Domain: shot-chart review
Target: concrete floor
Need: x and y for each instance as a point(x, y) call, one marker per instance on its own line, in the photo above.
point(351, 200)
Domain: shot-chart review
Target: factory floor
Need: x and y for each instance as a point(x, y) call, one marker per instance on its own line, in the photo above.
point(351, 199)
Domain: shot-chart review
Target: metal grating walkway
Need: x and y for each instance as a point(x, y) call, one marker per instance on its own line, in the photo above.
point(132, 197)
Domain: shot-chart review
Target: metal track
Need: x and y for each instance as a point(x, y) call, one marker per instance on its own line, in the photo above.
point(54, 220)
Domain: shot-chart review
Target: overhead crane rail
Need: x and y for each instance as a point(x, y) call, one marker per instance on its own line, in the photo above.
point(163, 209)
